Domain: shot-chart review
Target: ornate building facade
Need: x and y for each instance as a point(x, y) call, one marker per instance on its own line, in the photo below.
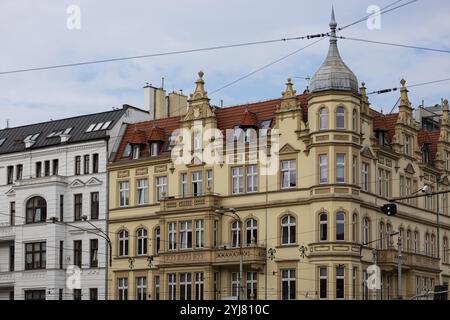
point(309, 230)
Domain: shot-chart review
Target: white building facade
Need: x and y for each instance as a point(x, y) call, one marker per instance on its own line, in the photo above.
point(53, 206)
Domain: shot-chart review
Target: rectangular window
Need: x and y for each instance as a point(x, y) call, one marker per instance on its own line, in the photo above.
point(196, 183)
point(55, 167)
point(172, 227)
point(340, 168)
point(78, 206)
point(161, 188)
point(288, 174)
point(76, 294)
point(323, 169)
point(93, 294)
point(136, 152)
point(252, 178)
point(408, 189)
point(86, 164)
point(35, 255)
point(209, 180)
point(237, 177)
point(157, 288)
point(95, 205)
point(172, 284)
point(19, 172)
point(252, 285)
point(93, 253)
point(354, 282)
point(34, 294)
point(122, 288)
point(11, 258)
point(185, 286)
point(38, 169)
point(199, 286)
point(288, 285)
point(355, 169)
point(141, 288)
point(365, 177)
point(407, 145)
point(95, 163)
point(12, 213)
point(183, 184)
point(235, 284)
point(387, 183)
point(61, 254)
point(186, 235)
point(142, 191)
point(77, 165)
point(10, 175)
point(47, 168)
point(77, 253)
point(199, 233)
point(323, 283)
point(61, 208)
point(124, 193)
point(340, 283)
point(157, 240)
point(154, 148)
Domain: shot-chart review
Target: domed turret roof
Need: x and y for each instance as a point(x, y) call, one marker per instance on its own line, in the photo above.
point(334, 74)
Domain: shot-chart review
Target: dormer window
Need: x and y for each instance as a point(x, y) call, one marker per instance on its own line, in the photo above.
point(426, 153)
point(379, 134)
point(154, 148)
point(136, 152)
point(237, 131)
point(127, 151)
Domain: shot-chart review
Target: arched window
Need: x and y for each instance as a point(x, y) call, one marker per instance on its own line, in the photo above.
point(340, 118)
point(141, 242)
point(235, 234)
point(416, 242)
point(427, 244)
point(288, 228)
point(36, 210)
point(366, 230)
point(123, 243)
point(355, 227)
point(323, 119)
point(388, 235)
point(340, 226)
point(355, 120)
point(433, 246)
point(157, 239)
point(251, 232)
point(323, 226)
point(408, 241)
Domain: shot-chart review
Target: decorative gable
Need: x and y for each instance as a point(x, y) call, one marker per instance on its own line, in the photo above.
point(11, 192)
point(366, 152)
point(287, 148)
point(410, 169)
point(77, 183)
point(93, 182)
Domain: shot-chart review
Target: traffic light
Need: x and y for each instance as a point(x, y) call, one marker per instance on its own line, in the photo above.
point(389, 209)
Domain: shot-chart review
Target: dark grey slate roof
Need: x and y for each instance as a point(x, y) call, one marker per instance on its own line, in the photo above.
point(15, 136)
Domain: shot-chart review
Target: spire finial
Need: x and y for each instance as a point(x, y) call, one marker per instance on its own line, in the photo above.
point(333, 23)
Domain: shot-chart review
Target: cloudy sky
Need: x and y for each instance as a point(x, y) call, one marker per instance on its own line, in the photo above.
point(35, 33)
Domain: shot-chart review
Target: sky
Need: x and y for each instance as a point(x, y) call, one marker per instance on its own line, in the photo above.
point(35, 34)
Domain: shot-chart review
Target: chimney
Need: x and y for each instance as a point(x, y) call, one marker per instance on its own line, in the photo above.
point(177, 104)
point(149, 100)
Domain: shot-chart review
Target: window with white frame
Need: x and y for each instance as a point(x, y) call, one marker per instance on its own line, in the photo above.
point(288, 174)
point(196, 183)
point(237, 177)
point(161, 187)
point(122, 288)
point(185, 286)
point(365, 177)
point(252, 284)
point(323, 168)
point(340, 226)
point(142, 239)
point(235, 234)
point(340, 283)
point(323, 119)
point(288, 230)
point(186, 235)
point(288, 284)
point(354, 169)
point(141, 288)
point(142, 191)
point(199, 286)
point(136, 151)
point(124, 193)
point(172, 285)
point(366, 230)
point(184, 184)
point(123, 243)
point(323, 283)
point(172, 235)
point(154, 149)
point(209, 180)
point(340, 168)
point(252, 178)
point(199, 234)
point(323, 226)
point(235, 284)
point(340, 118)
point(251, 229)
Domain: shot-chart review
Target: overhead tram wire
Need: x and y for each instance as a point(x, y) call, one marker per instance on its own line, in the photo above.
point(152, 55)
point(388, 90)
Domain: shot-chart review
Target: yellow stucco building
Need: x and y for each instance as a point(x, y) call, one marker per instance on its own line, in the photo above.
point(309, 228)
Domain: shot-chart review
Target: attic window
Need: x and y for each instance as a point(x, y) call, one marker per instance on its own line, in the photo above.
point(171, 142)
point(379, 134)
point(2, 140)
point(426, 153)
point(106, 125)
point(127, 151)
point(98, 126)
point(57, 133)
point(265, 125)
point(31, 137)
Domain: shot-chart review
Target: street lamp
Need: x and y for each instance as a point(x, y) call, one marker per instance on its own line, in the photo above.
point(222, 211)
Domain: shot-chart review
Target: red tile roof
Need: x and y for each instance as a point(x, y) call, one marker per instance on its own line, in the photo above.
point(386, 123)
point(431, 138)
point(156, 134)
point(248, 119)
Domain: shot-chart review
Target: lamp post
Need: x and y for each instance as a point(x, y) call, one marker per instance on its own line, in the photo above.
point(223, 211)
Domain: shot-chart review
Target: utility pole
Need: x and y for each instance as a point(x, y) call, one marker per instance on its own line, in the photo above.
point(399, 283)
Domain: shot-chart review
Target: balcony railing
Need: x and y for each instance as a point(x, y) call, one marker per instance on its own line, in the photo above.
point(389, 258)
point(7, 278)
point(208, 200)
point(6, 231)
point(41, 180)
point(219, 256)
